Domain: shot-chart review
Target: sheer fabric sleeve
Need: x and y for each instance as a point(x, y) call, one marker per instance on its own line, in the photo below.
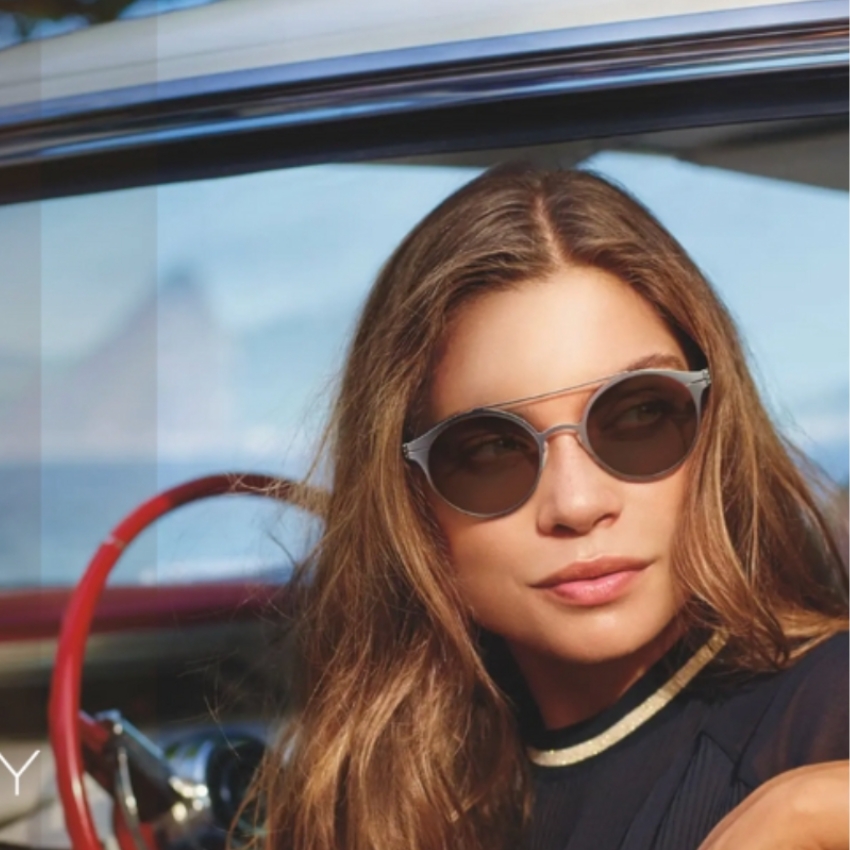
point(807, 720)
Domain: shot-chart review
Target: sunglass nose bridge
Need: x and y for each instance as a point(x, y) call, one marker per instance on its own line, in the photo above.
point(572, 428)
point(564, 427)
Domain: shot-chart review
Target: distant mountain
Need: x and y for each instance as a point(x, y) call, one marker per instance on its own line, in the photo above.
point(171, 383)
point(159, 384)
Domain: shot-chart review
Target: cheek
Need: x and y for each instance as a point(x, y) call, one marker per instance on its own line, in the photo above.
point(649, 526)
point(664, 501)
point(488, 557)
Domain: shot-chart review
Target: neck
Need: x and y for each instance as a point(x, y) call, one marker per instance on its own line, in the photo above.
point(567, 692)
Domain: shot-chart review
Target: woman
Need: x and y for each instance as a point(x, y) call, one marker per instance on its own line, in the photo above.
point(573, 591)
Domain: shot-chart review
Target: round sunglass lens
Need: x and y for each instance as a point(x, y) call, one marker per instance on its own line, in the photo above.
point(484, 464)
point(643, 426)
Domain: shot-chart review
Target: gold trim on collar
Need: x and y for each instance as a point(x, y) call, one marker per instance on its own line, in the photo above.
point(637, 716)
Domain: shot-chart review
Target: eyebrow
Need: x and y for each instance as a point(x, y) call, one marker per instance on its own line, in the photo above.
point(649, 361)
point(658, 361)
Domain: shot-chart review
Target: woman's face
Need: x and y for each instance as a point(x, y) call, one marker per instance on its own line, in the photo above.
point(578, 325)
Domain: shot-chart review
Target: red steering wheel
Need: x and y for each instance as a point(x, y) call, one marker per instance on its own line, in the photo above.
point(69, 726)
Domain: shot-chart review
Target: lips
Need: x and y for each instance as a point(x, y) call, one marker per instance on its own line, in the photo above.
point(593, 582)
point(592, 569)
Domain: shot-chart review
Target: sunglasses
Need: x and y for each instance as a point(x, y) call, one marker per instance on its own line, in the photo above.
point(638, 426)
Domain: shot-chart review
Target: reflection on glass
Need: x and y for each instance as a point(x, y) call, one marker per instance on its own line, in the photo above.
point(39, 19)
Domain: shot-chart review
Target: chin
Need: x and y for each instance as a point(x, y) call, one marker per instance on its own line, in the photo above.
point(596, 637)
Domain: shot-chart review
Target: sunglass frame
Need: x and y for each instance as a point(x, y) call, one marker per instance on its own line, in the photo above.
point(418, 450)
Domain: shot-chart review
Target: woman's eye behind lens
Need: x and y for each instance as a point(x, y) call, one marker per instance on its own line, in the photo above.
point(495, 450)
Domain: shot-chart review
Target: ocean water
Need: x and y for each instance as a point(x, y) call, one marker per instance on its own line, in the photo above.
point(54, 516)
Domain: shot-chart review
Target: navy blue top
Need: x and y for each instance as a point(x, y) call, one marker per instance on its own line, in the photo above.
point(666, 785)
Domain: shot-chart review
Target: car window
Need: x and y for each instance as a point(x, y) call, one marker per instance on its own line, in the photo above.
point(199, 327)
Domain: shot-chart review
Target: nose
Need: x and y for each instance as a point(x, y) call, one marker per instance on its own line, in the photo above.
point(574, 494)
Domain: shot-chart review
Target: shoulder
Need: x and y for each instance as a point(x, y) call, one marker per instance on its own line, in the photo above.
point(794, 717)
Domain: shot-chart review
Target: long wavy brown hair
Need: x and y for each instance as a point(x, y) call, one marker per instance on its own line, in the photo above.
point(399, 738)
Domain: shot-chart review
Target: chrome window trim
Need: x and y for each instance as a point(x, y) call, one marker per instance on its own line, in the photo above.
point(762, 43)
